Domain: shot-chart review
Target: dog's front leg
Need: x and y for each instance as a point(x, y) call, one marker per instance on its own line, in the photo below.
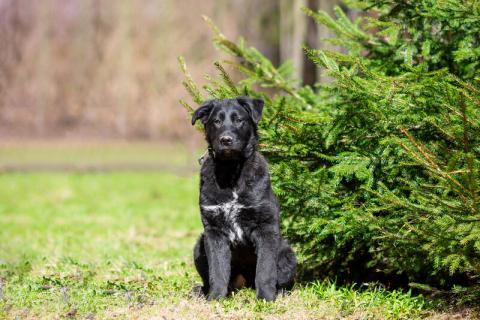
point(266, 246)
point(219, 258)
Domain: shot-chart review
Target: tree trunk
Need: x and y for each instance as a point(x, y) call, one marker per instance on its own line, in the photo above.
point(292, 34)
point(324, 32)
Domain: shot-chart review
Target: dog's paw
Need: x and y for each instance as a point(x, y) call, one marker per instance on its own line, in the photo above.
point(267, 295)
point(217, 294)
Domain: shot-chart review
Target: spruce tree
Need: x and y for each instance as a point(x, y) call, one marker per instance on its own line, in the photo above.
point(378, 171)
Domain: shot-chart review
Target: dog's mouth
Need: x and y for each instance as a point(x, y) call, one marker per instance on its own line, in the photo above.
point(228, 153)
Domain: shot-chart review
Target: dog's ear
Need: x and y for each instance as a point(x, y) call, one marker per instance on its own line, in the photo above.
point(254, 107)
point(203, 112)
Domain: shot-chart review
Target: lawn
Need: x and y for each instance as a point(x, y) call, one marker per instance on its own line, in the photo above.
point(118, 245)
point(91, 155)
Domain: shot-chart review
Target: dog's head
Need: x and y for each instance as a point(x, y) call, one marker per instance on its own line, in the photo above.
point(230, 126)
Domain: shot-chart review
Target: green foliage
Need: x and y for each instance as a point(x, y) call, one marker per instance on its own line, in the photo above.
point(377, 172)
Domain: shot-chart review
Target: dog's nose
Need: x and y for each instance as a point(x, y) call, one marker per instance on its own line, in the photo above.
point(226, 140)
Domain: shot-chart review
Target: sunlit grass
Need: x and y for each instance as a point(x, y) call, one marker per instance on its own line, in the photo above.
point(120, 245)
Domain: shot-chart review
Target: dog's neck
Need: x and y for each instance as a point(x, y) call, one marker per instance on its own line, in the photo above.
point(227, 172)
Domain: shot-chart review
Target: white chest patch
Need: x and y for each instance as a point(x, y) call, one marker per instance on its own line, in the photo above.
point(230, 211)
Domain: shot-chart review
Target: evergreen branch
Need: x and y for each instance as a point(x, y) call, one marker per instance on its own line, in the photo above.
point(189, 84)
point(410, 69)
point(434, 167)
point(471, 181)
point(189, 109)
point(226, 78)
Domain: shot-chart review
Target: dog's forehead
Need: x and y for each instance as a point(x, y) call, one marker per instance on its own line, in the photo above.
point(228, 107)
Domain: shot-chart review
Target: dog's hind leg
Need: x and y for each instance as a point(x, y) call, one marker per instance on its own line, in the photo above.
point(201, 263)
point(286, 267)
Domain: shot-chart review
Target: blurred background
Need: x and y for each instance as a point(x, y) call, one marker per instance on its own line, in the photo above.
point(100, 75)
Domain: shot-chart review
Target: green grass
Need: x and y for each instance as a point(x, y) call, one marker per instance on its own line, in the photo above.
point(91, 241)
point(118, 245)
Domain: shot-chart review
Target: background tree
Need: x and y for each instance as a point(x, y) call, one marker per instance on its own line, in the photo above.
point(378, 171)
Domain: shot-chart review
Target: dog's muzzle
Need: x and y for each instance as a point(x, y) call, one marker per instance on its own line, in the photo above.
point(226, 141)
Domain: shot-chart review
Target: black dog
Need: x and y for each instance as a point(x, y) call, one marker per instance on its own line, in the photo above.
point(241, 243)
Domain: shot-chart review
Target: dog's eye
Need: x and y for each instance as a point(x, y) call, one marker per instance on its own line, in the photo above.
point(217, 122)
point(238, 121)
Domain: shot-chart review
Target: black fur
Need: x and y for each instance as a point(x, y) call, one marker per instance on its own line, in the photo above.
point(240, 213)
